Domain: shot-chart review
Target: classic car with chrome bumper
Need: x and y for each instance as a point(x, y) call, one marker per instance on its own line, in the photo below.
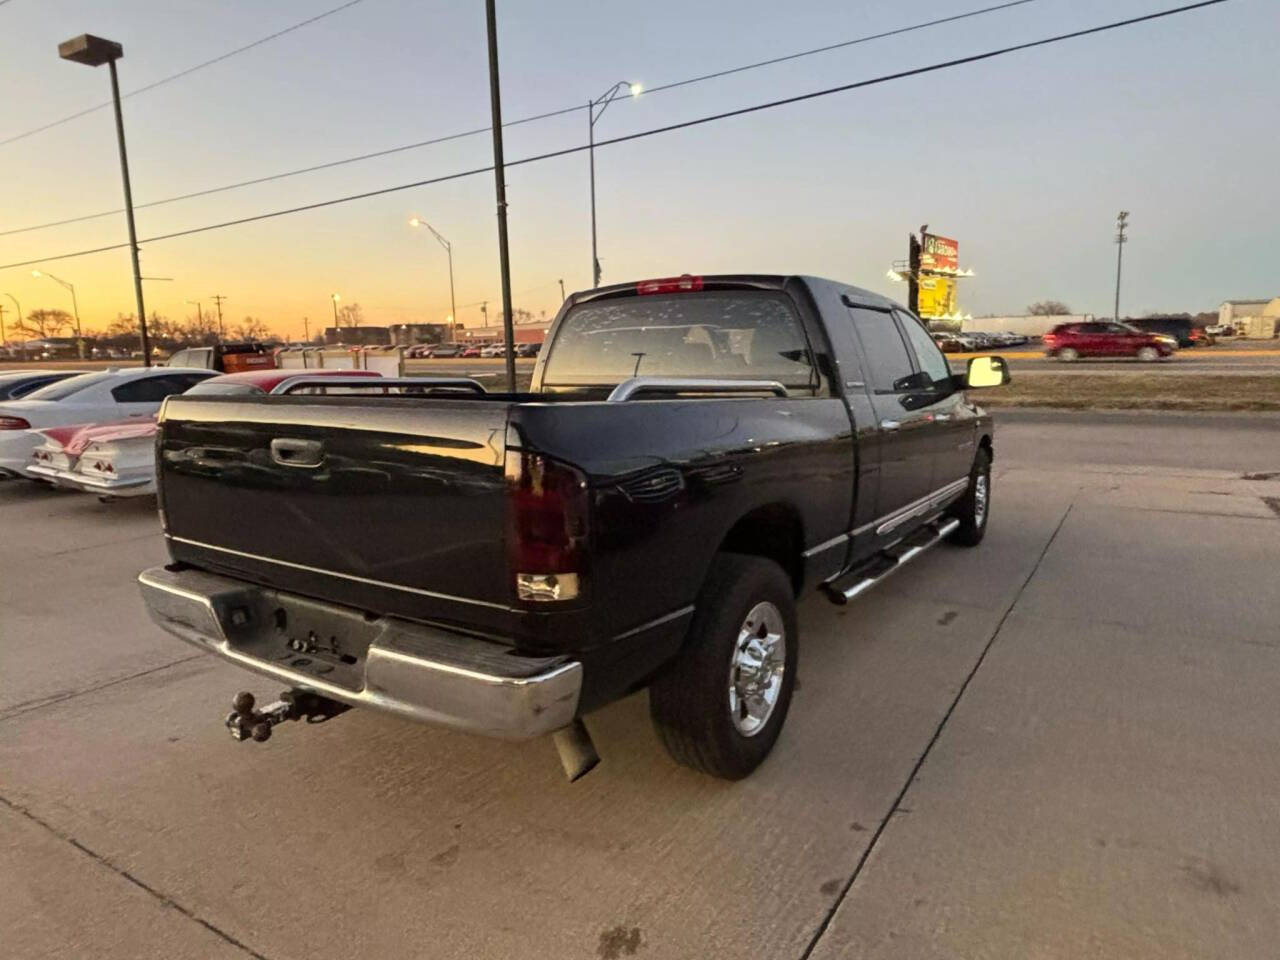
point(418, 672)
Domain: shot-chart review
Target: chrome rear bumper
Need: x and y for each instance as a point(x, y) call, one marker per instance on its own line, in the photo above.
point(418, 672)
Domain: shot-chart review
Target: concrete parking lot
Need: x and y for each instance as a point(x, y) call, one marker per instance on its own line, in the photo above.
point(1060, 744)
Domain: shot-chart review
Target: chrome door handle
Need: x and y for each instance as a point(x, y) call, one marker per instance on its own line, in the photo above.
point(890, 424)
point(941, 417)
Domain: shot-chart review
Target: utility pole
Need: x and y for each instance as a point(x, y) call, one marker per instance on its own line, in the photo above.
point(913, 272)
point(562, 297)
point(306, 330)
point(499, 177)
point(218, 298)
point(1122, 224)
point(484, 312)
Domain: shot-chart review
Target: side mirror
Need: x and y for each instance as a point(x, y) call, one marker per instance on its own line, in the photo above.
point(986, 372)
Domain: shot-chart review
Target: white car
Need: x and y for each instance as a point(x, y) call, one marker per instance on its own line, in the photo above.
point(89, 398)
point(494, 350)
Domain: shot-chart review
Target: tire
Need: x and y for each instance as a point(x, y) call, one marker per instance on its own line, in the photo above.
point(692, 702)
point(974, 508)
point(1148, 354)
point(1068, 355)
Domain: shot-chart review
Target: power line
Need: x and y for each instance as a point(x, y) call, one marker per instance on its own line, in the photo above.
point(181, 73)
point(512, 123)
point(710, 118)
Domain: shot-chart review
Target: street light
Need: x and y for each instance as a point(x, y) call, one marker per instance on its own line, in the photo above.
point(67, 286)
point(335, 298)
point(94, 52)
point(607, 98)
point(75, 308)
point(448, 248)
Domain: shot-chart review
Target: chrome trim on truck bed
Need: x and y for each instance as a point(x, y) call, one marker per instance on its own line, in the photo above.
point(415, 671)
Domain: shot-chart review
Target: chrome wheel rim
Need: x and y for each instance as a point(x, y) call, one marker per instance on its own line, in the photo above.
point(756, 668)
point(980, 495)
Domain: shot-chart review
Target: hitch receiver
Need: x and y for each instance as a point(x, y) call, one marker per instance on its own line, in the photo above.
point(246, 722)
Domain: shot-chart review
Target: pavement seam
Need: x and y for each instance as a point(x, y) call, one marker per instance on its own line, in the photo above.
point(165, 901)
point(96, 546)
point(928, 748)
point(22, 709)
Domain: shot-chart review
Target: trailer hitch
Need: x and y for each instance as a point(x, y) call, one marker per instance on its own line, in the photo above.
point(247, 722)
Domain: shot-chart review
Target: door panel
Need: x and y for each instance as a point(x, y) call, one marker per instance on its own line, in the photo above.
point(950, 418)
point(903, 422)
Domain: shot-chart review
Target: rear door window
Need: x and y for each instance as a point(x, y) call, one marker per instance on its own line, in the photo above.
point(888, 363)
point(744, 335)
point(151, 389)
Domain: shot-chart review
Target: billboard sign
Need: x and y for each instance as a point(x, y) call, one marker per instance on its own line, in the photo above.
point(939, 254)
point(937, 297)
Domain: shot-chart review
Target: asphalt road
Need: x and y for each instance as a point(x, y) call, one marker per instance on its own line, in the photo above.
point(1060, 744)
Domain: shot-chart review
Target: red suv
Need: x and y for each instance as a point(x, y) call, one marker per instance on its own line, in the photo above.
point(1071, 341)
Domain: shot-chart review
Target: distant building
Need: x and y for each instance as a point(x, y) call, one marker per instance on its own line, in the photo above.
point(407, 334)
point(1255, 319)
point(357, 336)
point(524, 333)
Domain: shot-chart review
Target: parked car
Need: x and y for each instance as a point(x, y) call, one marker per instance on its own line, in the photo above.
point(716, 448)
point(445, 350)
point(1201, 337)
point(87, 398)
point(1176, 328)
point(491, 350)
point(16, 384)
point(471, 351)
point(1071, 341)
point(233, 357)
point(1220, 330)
point(118, 459)
point(528, 349)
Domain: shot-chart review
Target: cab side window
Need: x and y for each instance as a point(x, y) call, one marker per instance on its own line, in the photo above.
point(887, 359)
point(930, 358)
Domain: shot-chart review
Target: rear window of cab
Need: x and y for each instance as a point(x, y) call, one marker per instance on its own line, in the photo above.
point(733, 334)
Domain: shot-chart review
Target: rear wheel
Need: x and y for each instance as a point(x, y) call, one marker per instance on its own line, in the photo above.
point(1068, 355)
point(1148, 354)
point(720, 706)
point(973, 509)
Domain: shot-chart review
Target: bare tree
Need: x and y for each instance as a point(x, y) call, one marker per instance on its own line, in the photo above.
point(200, 329)
point(350, 315)
point(39, 324)
point(1049, 308)
point(252, 328)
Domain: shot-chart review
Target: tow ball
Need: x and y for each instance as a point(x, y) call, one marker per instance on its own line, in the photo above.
point(247, 722)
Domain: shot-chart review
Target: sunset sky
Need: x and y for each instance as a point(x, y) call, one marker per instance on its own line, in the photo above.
point(1024, 159)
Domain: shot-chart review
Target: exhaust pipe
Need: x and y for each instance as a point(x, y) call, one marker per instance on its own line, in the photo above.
point(577, 753)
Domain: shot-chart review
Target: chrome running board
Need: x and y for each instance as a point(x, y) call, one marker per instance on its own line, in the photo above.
point(888, 562)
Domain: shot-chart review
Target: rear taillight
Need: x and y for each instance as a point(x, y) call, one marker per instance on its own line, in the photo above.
point(14, 423)
point(547, 508)
point(681, 284)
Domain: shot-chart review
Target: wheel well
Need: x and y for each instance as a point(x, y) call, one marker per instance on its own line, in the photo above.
point(774, 532)
point(985, 444)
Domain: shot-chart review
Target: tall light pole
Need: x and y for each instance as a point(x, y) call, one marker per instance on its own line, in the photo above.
point(1122, 224)
point(94, 52)
point(199, 314)
point(500, 189)
point(562, 291)
point(75, 307)
point(19, 306)
point(448, 248)
point(592, 116)
point(335, 298)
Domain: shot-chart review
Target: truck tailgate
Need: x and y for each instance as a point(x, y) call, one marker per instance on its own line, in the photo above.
point(390, 504)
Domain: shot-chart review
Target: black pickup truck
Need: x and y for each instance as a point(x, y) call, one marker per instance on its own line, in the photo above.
point(693, 455)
